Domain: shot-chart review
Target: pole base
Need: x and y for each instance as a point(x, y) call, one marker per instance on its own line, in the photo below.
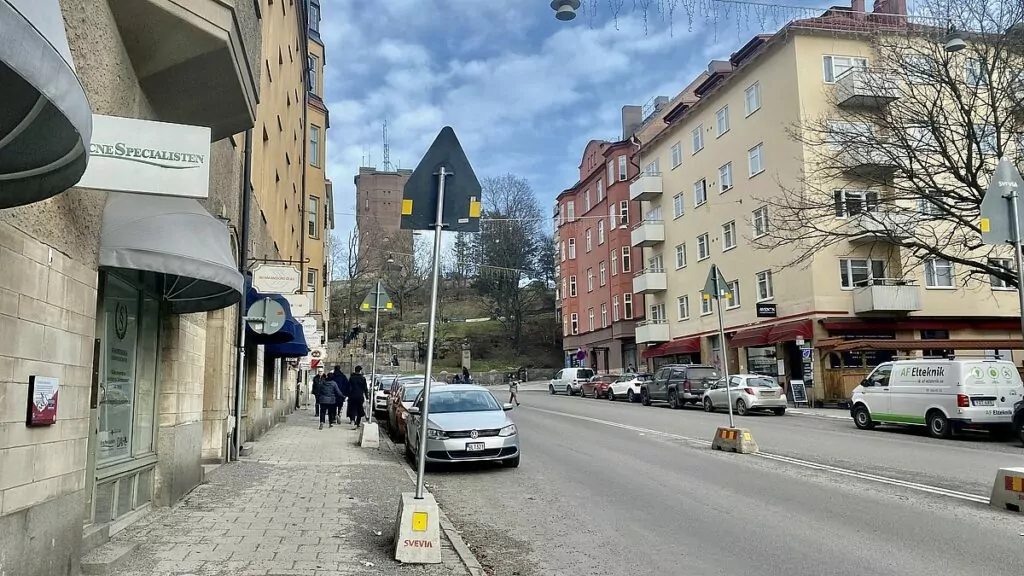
point(418, 530)
point(369, 436)
point(738, 440)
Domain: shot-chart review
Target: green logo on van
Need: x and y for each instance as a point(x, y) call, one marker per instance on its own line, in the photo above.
point(993, 372)
point(977, 373)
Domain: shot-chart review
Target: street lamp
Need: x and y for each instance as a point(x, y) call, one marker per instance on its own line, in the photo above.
point(565, 10)
point(954, 42)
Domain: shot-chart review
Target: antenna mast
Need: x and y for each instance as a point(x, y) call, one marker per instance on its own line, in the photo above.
point(387, 148)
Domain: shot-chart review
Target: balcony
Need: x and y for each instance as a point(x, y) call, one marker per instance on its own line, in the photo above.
point(650, 280)
point(196, 60)
point(880, 226)
point(886, 295)
point(648, 233)
point(652, 332)
point(866, 88)
point(877, 163)
point(645, 188)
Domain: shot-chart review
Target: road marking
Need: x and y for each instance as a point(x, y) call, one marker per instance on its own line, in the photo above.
point(966, 496)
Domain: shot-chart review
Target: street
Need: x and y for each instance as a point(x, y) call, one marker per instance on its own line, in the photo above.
point(615, 488)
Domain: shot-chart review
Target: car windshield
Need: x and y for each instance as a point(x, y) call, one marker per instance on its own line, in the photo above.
point(410, 393)
point(448, 401)
point(761, 382)
point(584, 373)
point(698, 374)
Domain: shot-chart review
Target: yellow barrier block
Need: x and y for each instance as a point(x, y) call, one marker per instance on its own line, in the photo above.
point(737, 440)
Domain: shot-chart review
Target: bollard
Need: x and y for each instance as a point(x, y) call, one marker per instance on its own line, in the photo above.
point(1008, 490)
point(369, 437)
point(738, 440)
point(418, 530)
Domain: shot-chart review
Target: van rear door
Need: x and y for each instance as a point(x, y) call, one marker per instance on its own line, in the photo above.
point(992, 385)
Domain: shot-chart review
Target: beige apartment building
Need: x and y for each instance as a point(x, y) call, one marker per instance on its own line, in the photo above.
point(829, 320)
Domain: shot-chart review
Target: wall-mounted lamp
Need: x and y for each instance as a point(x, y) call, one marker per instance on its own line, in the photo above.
point(565, 10)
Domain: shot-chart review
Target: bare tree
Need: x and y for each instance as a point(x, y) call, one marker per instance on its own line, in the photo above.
point(905, 153)
point(405, 274)
point(460, 260)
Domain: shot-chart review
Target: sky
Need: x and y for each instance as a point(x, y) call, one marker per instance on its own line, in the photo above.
point(523, 91)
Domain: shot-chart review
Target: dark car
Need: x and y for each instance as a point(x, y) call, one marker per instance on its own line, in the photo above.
point(597, 387)
point(1018, 420)
point(679, 384)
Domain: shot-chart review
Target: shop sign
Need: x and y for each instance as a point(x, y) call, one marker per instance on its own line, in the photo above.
point(299, 304)
point(767, 311)
point(145, 157)
point(42, 400)
point(276, 278)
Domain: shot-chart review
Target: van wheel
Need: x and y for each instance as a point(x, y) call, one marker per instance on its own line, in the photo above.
point(862, 418)
point(551, 389)
point(645, 397)
point(673, 400)
point(938, 425)
point(568, 390)
point(630, 396)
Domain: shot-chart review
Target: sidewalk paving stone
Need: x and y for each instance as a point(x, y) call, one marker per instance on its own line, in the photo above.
point(306, 502)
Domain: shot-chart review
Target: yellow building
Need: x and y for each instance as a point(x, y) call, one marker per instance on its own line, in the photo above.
point(726, 147)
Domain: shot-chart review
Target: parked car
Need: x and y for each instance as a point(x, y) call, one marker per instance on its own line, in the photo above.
point(381, 389)
point(628, 386)
point(399, 401)
point(465, 424)
point(1018, 420)
point(597, 386)
point(678, 384)
point(749, 392)
point(569, 380)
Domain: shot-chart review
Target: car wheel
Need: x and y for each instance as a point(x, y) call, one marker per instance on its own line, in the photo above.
point(568, 390)
point(551, 389)
point(862, 418)
point(645, 397)
point(779, 411)
point(708, 406)
point(673, 400)
point(1020, 430)
point(596, 395)
point(610, 394)
point(938, 425)
point(512, 462)
point(630, 396)
point(741, 407)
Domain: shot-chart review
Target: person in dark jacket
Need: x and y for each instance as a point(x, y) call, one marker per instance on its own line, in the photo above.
point(338, 377)
point(329, 397)
point(357, 392)
point(465, 375)
point(317, 380)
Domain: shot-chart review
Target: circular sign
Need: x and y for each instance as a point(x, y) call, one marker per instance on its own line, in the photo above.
point(120, 321)
point(265, 316)
point(315, 354)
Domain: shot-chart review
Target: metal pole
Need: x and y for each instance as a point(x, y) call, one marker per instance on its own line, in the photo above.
point(421, 456)
point(236, 438)
point(721, 344)
point(1014, 212)
point(373, 362)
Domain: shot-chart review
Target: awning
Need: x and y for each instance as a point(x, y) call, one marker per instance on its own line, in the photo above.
point(177, 239)
point(45, 119)
point(282, 335)
point(773, 334)
point(842, 345)
point(295, 348)
point(672, 347)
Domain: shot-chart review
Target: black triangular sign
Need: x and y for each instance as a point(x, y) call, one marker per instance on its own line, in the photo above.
point(461, 192)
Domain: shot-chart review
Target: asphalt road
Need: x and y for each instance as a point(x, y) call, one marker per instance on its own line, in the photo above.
point(612, 489)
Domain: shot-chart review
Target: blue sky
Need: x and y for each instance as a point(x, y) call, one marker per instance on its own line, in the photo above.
point(523, 91)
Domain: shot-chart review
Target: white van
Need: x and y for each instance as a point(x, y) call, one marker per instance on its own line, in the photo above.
point(944, 395)
point(570, 381)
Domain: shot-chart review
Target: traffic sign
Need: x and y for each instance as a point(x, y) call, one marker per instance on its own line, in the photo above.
point(265, 316)
point(383, 301)
point(716, 286)
point(462, 192)
point(996, 224)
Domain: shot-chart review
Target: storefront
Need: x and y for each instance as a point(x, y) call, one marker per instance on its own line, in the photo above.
point(678, 351)
point(778, 350)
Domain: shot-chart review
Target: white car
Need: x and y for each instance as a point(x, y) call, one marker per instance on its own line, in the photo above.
point(627, 386)
point(749, 392)
point(380, 394)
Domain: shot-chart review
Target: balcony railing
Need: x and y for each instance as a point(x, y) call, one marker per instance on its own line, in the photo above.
point(650, 280)
point(652, 331)
point(886, 295)
point(876, 162)
point(866, 88)
point(645, 187)
point(881, 225)
point(648, 233)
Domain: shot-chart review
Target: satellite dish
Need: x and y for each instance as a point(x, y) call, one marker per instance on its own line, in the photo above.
point(265, 316)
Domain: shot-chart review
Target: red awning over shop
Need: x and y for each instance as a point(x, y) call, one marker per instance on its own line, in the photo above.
point(773, 334)
point(677, 346)
point(655, 351)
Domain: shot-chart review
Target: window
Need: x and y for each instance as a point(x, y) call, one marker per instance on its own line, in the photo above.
point(314, 74)
point(572, 286)
point(314, 16)
point(311, 274)
point(846, 134)
point(703, 247)
point(698, 138)
point(853, 202)
point(725, 177)
point(653, 215)
point(627, 305)
point(975, 73)
point(625, 259)
point(836, 66)
point(562, 250)
point(752, 98)
point(622, 168)
point(586, 201)
point(624, 213)
point(571, 210)
point(615, 308)
point(653, 169)
point(590, 279)
point(572, 248)
point(656, 263)
point(729, 235)
point(678, 205)
point(600, 190)
point(611, 216)
point(602, 273)
point(722, 120)
point(680, 256)
point(765, 290)
point(588, 238)
point(707, 305)
point(700, 192)
point(1003, 264)
point(313, 214)
point(760, 221)
point(755, 160)
point(565, 326)
point(565, 293)
point(919, 69)
point(928, 207)
point(677, 154)
point(600, 232)
point(611, 172)
point(604, 315)
point(683, 307)
point(574, 322)
point(855, 272)
point(732, 297)
point(938, 273)
point(615, 262)
point(658, 313)
point(590, 318)
point(988, 139)
point(314, 145)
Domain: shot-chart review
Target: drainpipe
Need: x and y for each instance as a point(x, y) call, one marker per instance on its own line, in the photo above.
point(243, 265)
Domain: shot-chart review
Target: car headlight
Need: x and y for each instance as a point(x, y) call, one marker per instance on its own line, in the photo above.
point(435, 434)
point(509, 430)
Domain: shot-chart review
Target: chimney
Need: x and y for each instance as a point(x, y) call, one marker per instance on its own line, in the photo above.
point(857, 6)
point(893, 7)
point(632, 118)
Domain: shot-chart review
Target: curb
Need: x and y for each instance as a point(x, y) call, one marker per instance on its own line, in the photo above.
point(462, 549)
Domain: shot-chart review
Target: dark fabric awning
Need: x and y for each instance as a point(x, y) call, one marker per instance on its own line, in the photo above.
point(295, 348)
point(282, 335)
point(45, 119)
point(177, 239)
point(672, 347)
point(843, 345)
point(773, 334)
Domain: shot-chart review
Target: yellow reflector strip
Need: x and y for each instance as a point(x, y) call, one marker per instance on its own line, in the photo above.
point(419, 521)
point(406, 207)
point(985, 225)
point(474, 209)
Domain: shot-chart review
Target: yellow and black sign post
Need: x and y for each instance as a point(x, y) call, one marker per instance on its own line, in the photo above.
point(376, 300)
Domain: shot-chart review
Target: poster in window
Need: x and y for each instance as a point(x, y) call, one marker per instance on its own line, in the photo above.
point(117, 387)
point(42, 400)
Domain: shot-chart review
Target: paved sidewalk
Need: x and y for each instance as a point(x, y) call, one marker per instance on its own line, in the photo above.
point(306, 502)
point(833, 413)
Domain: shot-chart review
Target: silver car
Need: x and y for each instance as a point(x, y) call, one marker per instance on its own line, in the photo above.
point(465, 424)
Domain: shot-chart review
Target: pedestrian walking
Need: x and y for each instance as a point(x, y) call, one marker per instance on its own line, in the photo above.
point(329, 397)
point(357, 392)
point(465, 375)
point(298, 392)
point(338, 377)
point(513, 390)
point(317, 380)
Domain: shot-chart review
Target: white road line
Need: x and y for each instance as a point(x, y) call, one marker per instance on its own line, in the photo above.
point(966, 496)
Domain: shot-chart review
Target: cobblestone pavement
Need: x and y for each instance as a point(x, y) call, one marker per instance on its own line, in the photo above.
point(305, 502)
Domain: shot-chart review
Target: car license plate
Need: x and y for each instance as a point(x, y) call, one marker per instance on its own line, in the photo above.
point(984, 402)
point(474, 446)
